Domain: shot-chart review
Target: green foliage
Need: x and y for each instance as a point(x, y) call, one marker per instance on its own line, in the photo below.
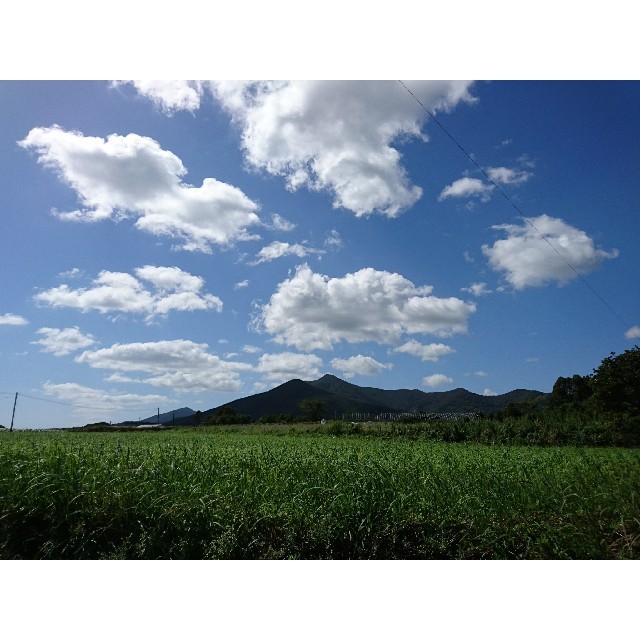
point(616, 383)
point(279, 418)
point(227, 415)
point(191, 494)
point(313, 408)
point(573, 391)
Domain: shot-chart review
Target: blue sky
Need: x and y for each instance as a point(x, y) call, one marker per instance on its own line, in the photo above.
point(186, 244)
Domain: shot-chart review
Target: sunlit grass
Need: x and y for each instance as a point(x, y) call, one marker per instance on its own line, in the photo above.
point(188, 494)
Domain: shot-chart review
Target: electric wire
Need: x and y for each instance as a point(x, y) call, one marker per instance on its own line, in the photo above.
point(80, 406)
point(513, 204)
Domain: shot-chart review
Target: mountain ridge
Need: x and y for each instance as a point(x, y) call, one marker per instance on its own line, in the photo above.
point(343, 397)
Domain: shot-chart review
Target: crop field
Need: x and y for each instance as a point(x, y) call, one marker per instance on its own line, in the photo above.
point(213, 494)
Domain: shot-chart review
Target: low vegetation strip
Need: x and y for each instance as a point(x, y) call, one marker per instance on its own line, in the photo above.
point(207, 494)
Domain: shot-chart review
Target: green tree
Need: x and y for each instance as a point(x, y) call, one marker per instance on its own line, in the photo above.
point(571, 391)
point(616, 383)
point(312, 408)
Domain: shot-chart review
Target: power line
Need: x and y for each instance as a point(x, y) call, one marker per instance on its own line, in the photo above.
point(80, 406)
point(513, 204)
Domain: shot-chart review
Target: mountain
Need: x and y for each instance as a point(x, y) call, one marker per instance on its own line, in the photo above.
point(165, 418)
point(344, 397)
point(287, 397)
point(414, 400)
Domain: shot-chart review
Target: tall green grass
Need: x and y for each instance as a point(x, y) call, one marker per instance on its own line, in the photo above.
point(184, 494)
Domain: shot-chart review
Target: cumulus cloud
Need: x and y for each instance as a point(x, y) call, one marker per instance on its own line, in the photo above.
point(279, 249)
point(172, 289)
point(426, 352)
point(313, 311)
point(98, 399)
point(436, 380)
point(62, 342)
point(477, 289)
point(528, 260)
point(169, 95)
point(359, 365)
point(489, 392)
point(632, 333)
point(180, 365)
point(132, 176)
point(13, 319)
point(280, 367)
point(467, 188)
point(337, 135)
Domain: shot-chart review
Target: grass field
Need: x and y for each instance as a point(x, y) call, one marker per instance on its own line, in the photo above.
point(211, 494)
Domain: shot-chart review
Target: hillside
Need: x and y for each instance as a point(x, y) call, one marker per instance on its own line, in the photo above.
point(414, 400)
point(344, 397)
point(165, 418)
point(286, 398)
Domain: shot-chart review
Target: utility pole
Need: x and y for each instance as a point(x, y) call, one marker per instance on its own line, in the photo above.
point(14, 411)
point(158, 415)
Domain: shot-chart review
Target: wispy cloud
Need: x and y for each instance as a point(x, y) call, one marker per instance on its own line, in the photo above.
point(279, 249)
point(632, 333)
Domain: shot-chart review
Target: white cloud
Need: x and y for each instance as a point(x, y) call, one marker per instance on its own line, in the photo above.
point(504, 175)
point(632, 333)
point(169, 95)
point(467, 188)
point(528, 260)
point(62, 342)
point(312, 311)
point(427, 352)
point(181, 365)
point(279, 223)
point(241, 285)
point(477, 289)
point(72, 273)
point(279, 249)
point(132, 176)
point(337, 135)
point(173, 290)
point(480, 374)
point(97, 399)
point(249, 348)
point(475, 188)
point(489, 392)
point(359, 365)
point(333, 239)
point(280, 367)
point(13, 320)
point(436, 380)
